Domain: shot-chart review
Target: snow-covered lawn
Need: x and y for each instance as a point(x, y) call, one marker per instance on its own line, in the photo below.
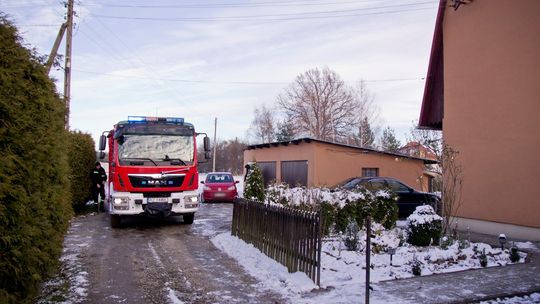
point(532, 298)
point(343, 272)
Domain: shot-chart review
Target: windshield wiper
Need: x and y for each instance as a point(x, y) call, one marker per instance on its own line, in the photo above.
point(142, 158)
point(167, 158)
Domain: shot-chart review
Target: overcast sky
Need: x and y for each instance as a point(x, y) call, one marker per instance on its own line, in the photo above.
point(222, 58)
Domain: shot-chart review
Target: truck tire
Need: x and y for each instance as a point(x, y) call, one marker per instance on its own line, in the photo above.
point(188, 218)
point(115, 221)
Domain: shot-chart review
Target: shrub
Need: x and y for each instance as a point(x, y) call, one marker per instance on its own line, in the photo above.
point(329, 216)
point(380, 205)
point(416, 267)
point(514, 255)
point(35, 203)
point(254, 188)
point(483, 259)
point(82, 157)
point(275, 194)
point(424, 226)
point(351, 235)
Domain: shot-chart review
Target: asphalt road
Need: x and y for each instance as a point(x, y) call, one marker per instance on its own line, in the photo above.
point(154, 261)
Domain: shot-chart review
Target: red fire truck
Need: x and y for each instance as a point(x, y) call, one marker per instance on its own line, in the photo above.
point(152, 168)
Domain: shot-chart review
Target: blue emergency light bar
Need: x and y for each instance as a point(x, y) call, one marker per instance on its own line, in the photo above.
point(136, 119)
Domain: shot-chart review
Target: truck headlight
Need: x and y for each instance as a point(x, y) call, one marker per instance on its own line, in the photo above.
point(120, 201)
point(191, 201)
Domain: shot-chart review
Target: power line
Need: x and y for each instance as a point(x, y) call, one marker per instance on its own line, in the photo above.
point(251, 19)
point(234, 5)
point(231, 82)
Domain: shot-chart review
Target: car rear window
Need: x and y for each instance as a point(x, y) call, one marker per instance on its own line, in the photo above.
point(219, 178)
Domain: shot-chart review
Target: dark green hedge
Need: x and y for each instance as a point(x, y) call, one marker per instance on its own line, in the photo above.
point(35, 202)
point(82, 157)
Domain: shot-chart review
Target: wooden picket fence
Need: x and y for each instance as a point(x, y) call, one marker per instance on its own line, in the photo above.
point(291, 237)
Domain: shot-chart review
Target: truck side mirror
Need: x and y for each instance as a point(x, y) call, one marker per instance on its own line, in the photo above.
point(102, 143)
point(101, 154)
point(206, 142)
point(207, 155)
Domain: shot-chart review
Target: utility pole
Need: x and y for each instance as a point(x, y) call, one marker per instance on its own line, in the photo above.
point(56, 45)
point(67, 68)
point(215, 146)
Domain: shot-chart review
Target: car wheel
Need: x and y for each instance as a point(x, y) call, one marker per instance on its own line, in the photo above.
point(115, 221)
point(188, 218)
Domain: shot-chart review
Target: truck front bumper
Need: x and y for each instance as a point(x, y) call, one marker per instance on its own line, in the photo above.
point(127, 203)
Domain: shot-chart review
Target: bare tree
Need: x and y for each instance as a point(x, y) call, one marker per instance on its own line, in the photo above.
point(428, 138)
point(229, 157)
point(452, 185)
point(320, 104)
point(263, 125)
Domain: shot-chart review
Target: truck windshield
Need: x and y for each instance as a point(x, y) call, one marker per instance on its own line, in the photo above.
point(157, 148)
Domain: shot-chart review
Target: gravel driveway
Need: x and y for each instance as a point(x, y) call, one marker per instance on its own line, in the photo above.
point(152, 261)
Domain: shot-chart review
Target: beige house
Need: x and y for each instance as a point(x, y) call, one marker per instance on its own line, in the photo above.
point(312, 162)
point(483, 91)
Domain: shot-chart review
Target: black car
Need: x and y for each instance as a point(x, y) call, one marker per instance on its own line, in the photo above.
point(408, 198)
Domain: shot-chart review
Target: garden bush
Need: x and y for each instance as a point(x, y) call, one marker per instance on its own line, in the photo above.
point(82, 158)
point(424, 226)
point(514, 255)
point(380, 205)
point(35, 202)
point(254, 186)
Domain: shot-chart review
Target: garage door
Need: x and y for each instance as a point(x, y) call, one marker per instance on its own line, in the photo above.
point(268, 171)
point(294, 173)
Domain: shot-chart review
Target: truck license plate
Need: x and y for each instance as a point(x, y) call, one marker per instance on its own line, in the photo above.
point(157, 200)
point(219, 194)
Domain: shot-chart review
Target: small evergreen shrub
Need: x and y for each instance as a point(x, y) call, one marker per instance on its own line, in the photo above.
point(446, 242)
point(424, 226)
point(351, 235)
point(416, 267)
point(254, 186)
point(514, 255)
point(82, 159)
point(483, 259)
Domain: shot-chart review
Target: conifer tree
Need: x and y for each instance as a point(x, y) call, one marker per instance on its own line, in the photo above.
point(254, 186)
point(389, 142)
point(366, 134)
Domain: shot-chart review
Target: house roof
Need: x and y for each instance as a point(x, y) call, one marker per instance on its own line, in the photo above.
point(432, 111)
point(310, 140)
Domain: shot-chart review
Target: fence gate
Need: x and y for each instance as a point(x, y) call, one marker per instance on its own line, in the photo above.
point(291, 237)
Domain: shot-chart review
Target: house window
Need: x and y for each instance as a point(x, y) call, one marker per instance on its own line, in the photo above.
point(370, 172)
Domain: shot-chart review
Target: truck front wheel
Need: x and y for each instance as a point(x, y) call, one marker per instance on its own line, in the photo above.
point(188, 218)
point(115, 220)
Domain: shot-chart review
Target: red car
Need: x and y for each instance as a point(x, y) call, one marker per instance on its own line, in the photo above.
point(219, 187)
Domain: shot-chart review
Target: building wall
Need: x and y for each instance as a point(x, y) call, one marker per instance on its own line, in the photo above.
point(302, 151)
point(334, 164)
point(328, 164)
point(492, 107)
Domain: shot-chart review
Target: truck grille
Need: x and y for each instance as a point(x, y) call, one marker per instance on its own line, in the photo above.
point(150, 182)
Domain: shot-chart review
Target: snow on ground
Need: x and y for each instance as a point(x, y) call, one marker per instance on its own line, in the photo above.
point(532, 298)
point(343, 272)
point(525, 245)
point(71, 284)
